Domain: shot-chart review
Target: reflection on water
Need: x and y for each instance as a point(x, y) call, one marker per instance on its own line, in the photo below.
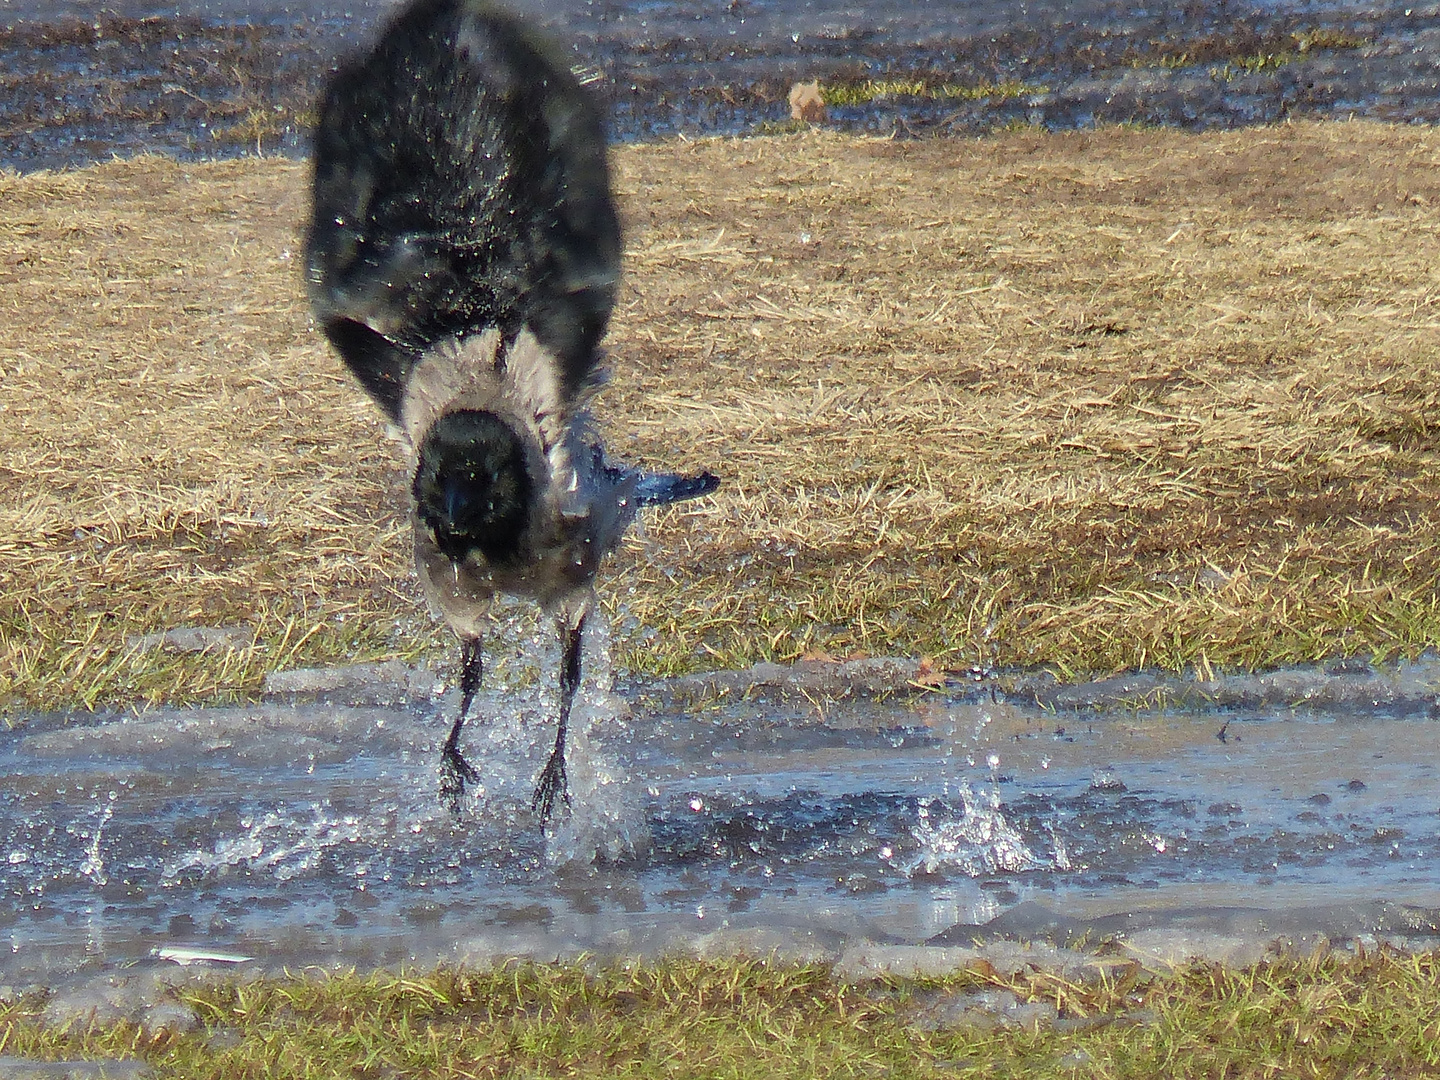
point(225, 77)
point(312, 833)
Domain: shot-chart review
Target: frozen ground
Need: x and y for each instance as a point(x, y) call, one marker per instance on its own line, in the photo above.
point(894, 834)
point(227, 76)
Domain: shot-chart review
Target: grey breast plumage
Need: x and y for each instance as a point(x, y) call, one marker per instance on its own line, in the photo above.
point(579, 508)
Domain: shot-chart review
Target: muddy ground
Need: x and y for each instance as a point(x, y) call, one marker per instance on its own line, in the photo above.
point(233, 77)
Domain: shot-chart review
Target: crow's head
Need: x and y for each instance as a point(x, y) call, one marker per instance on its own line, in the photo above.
point(472, 487)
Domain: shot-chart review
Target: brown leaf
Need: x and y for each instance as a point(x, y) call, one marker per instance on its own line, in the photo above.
point(928, 675)
point(806, 103)
point(982, 967)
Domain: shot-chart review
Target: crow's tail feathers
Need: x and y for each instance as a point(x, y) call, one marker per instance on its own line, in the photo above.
point(657, 489)
point(661, 489)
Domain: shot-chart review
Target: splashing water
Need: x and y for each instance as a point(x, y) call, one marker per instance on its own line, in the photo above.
point(606, 822)
point(313, 834)
point(94, 866)
point(976, 841)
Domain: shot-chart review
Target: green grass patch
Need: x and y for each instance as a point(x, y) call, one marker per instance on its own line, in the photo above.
point(1256, 64)
point(862, 93)
point(1244, 52)
point(1327, 1016)
point(1324, 38)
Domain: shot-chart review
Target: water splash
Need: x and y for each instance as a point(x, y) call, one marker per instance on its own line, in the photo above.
point(978, 840)
point(1061, 859)
point(606, 821)
point(740, 818)
point(93, 866)
point(286, 843)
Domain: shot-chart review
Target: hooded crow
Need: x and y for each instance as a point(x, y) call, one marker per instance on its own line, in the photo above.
point(462, 258)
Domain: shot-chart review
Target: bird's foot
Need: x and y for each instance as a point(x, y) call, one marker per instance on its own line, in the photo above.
point(455, 773)
point(551, 783)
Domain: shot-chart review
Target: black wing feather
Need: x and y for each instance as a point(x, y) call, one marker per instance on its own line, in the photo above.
point(460, 182)
point(382, 368)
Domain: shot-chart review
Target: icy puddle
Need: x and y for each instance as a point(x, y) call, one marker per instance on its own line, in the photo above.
point(311, 834)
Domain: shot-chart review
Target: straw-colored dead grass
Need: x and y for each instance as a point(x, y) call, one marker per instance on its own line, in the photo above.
point(1092, 400)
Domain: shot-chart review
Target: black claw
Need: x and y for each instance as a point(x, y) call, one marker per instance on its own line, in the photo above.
point(455, 773)
point(552, 782)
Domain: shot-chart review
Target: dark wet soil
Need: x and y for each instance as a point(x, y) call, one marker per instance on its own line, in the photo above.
point(236, 77)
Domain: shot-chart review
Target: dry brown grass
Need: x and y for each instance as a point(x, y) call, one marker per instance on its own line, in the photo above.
point(1093, 400)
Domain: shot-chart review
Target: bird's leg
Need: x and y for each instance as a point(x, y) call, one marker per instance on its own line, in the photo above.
point(552, 780)
point(455, 771)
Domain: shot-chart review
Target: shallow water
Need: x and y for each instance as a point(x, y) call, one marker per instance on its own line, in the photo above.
point(311, 833)
point(225, 77)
